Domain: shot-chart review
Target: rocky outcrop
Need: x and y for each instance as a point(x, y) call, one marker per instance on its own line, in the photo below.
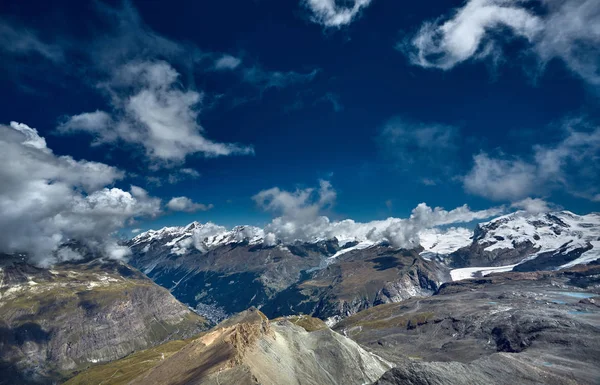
point(498, 369)
point(250, 349)
point(62, 320)
point(359, 280)
point(525, 328)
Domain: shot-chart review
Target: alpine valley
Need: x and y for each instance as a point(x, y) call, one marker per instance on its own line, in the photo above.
point(517, 298)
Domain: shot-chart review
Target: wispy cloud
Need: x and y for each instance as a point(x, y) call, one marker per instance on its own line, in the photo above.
point(227, 62)
point(535, 205)
point(430, 148)
point(331, 15)
point(567, 30)
point(21, 41)
point(265, 79)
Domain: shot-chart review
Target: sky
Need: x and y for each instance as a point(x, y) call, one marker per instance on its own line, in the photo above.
point(130, 115)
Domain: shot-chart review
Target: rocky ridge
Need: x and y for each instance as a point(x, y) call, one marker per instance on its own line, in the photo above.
point(250, 349)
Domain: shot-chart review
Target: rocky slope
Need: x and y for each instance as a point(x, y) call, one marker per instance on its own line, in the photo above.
point(525, 328)
point(358, 280)
point(249, 349)
point(323, 279)
point(54, 322)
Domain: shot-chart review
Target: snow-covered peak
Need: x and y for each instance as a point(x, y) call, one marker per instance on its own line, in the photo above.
point(197, 235)
point(546, 231)
point(437, 242)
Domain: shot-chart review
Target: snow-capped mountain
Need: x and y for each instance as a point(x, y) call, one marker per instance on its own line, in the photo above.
point(204, 265)
point(533, 241)
point(204, 237)
point(514, 239)
point(201, 236)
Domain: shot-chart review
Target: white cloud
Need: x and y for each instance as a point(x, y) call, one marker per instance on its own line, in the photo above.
point(501, 179)
point(227, 62)
point(187, 205)
point(534, 205)
point(568, 30)
point(299, 205)
point(301, 218)
point(330, 14)
point(152, 111)
point(136, 231)
point(47, 200)
point(572, 164)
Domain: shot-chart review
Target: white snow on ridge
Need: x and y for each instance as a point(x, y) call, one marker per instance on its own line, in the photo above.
point(470, 272)
point(547, 232)
point(359, 246)
point(587, 257)
point(436, 242)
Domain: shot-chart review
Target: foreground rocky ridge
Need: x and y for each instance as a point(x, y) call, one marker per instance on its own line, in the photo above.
point(525, 328)
point(250, 349)
point(54, 322)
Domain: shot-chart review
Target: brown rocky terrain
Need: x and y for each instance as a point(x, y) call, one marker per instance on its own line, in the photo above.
point(55, 322)
point(250, 349)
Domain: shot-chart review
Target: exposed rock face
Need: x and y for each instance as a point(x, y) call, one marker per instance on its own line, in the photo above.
point(58, 321)
point(525, 328)
point(250, 349)
point(358, 280)
point(535, 241)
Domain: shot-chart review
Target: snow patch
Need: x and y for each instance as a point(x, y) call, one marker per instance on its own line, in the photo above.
point(470, 272)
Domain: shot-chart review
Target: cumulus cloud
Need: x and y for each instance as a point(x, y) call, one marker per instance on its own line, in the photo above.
point(567, 30)
point(185, 204)
point(47, 200)
point(329, 14)
point(300, 218)
point(300, 204)
point(571, 164)
point(501, 179)
point(152, 111)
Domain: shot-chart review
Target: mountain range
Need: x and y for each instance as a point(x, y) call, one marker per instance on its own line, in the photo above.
point(204, 264)
point(513, 301)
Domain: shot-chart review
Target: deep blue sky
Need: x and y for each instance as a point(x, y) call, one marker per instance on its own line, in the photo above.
point(501, 108)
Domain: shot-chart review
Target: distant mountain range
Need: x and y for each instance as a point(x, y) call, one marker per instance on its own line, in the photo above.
point(204, 265)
